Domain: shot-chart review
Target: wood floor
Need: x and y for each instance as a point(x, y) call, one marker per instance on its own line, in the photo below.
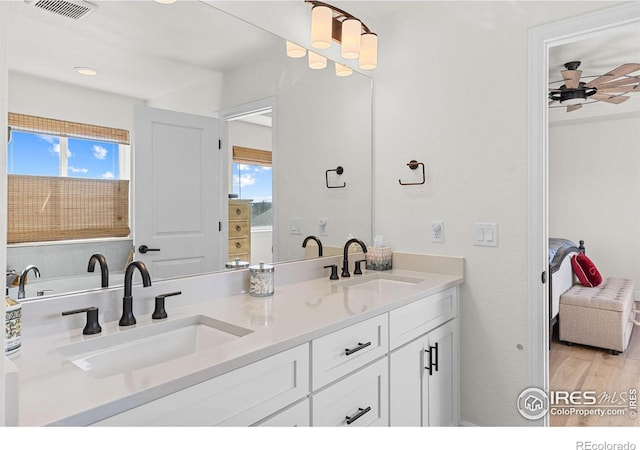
point(580, 368)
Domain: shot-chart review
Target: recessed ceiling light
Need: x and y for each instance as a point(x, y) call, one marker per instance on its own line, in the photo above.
point(86, 71)
point(166, 2)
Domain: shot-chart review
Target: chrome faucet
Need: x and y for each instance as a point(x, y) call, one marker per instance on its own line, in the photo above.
point(104, 269)
point(127, 301)
point(313, 238)
point(345, 260)
point(23, 277)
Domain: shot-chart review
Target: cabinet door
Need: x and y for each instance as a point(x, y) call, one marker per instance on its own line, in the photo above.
point(405, 384)
point(440, 377)
point(423, 380)
point(359, 400)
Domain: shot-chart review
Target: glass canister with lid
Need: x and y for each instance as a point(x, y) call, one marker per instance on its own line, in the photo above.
point(261, 280)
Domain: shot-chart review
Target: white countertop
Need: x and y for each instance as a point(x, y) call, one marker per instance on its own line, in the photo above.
point(53, 391)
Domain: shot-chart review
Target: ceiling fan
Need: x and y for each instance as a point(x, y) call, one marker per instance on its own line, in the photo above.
point(609, 87)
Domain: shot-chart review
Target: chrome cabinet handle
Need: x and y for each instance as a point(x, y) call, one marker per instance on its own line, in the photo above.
point(349, 351)
point(361, 412)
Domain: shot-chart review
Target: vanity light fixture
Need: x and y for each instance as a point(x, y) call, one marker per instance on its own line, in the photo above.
point(295, 51)
point(317, 61)
point(88, 71)
point(342, 70)
point(357, 40)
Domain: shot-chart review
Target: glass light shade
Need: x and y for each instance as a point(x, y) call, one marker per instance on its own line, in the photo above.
point(369, 51)
point(573, 101)
point(343, 70)
point(321, 26)
point(295, 51)
point(317, 61)
point(351, 30)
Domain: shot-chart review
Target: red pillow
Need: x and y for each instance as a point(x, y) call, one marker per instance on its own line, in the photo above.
point(585, 270)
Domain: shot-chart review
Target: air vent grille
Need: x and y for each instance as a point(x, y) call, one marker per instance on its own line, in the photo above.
point(72, 10)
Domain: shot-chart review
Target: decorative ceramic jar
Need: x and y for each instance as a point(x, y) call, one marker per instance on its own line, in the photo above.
point(13, 326)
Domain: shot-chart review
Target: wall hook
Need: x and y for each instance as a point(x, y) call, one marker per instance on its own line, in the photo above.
point(339, 170)
point(413, 165)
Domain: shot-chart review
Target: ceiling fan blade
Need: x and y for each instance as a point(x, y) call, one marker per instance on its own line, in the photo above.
point(620, 90)
point(623, 82)
point(618, 72)
point(609, 99)
point(571, 78)
point(573, 107)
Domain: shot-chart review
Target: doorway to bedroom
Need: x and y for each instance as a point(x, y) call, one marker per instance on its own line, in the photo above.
point(590, 191)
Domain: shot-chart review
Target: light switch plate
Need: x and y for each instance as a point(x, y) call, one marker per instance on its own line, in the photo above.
point(296, 225)
point(485, 234)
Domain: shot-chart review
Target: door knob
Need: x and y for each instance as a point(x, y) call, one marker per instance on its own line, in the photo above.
point(144, 249)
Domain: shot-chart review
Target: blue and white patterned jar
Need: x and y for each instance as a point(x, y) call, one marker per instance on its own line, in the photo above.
point(13, 326)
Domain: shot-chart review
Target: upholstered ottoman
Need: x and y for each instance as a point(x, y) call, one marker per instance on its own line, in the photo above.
point(598, 316)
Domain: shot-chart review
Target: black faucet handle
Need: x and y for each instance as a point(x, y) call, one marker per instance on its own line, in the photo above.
point(358, 269)
point(92, 326)
point(159, 311)
point(334, 271)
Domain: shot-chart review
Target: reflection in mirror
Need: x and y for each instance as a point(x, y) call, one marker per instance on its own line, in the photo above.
point(209, 64)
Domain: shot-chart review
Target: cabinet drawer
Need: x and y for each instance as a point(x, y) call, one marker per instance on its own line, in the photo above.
point(239, 229)
point(239, 211)
point(346, 350)
point(361, 397)
point(298, 415)
point(238, 398)
point(417, 318)
point(239, 245)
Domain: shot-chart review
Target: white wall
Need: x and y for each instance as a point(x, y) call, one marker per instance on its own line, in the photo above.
point(451, 91)
point(594, 190)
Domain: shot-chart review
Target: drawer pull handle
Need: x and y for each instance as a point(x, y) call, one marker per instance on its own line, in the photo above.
point(238, 211)
point(238, 228)
point(348, 351)
point(433, 358)
point(361, 412)
point(238, 245)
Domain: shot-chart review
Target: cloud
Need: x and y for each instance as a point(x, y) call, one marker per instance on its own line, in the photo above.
point(99, 152)
point(108, 175)
point(55, 150)
point(244, 180)
point(78, 169)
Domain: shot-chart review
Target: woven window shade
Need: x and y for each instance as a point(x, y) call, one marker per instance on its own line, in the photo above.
point(245, 155)
point(64, 128)
point(54, 208)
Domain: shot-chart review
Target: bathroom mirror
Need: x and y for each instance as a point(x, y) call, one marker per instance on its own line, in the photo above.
point(206, 62)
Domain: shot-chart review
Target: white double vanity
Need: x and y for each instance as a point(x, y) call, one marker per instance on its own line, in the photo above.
point(378, 349)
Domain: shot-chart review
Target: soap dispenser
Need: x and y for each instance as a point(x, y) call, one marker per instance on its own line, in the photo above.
point(13, 325)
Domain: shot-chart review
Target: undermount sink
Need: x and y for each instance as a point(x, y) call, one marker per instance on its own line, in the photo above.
point(142, 347)
point(380, 282)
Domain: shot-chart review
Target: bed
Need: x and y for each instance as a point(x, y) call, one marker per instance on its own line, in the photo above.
point(561, 276)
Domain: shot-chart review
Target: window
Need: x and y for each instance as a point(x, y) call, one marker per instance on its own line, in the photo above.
point(252, 179)
point(66, 180)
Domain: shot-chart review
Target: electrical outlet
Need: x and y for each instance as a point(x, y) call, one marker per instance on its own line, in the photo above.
point(322, 225)
point(437, 231)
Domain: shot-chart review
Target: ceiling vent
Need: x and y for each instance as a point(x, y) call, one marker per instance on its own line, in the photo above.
point(73, 9)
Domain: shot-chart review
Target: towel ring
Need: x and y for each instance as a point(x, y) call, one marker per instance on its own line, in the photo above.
point(413, 165)
point(339, 170)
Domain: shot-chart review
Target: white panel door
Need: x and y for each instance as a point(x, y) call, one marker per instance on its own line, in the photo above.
point(177, 192)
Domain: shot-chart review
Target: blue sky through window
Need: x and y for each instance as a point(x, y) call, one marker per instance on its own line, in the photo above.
point(252, 182)
point(38, 154)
